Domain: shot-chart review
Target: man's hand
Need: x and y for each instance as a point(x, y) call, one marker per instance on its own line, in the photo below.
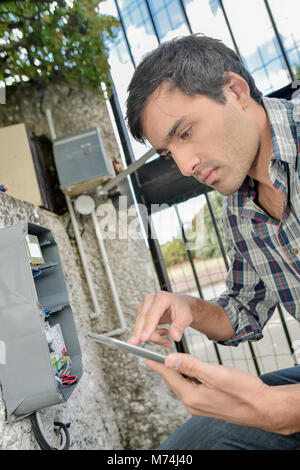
point(228, 394)
point(159, 309)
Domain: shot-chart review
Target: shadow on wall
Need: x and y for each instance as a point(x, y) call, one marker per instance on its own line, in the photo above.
point(53, 198)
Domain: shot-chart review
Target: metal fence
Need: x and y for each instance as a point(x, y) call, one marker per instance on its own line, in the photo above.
point(280, 346)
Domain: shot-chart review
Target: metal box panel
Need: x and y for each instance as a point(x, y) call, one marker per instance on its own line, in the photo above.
point(27, 377)
point(18, 166)
point(80, 157)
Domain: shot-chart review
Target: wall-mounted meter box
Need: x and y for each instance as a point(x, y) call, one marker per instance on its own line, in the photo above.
point(81, 161)
point(37, 330)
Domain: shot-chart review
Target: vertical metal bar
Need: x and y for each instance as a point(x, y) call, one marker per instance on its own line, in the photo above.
point(119, 120)
point(287, 334)
point(125, 34)
point(229, 29)
point(284, 55)
point(161, 272)
point(191, 260)
point(254, 359)
point(223, 251)
point(185, 16)
point(152, 20)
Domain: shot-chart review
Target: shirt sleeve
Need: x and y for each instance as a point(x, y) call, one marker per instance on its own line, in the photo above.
point(247, 301)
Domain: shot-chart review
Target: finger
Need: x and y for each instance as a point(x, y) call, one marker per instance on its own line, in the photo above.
point(160, 339)
point(159, 306)
point(194, 367)
point(141, 312)
point(160, 336)
point(173, 378)
point(162, 331)
point(180, 321)
point(229, 380)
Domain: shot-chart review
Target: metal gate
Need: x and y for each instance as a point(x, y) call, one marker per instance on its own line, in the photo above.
point(200, 278)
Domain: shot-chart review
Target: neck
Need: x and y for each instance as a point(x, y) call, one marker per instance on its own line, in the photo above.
point(259, 168)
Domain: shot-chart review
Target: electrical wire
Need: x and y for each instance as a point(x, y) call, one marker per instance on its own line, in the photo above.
point(60, 428)
point(37, 271)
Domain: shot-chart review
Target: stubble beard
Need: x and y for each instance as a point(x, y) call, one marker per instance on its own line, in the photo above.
point(245, 153)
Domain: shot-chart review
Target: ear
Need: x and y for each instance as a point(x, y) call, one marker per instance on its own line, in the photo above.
point(237, 90)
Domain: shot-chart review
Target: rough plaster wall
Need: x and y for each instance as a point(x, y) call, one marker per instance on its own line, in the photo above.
point(72, 110)
point(145, 408)
point(119, 403)
point(91, 398)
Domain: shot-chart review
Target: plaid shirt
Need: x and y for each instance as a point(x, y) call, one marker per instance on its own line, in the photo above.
point(264, 252)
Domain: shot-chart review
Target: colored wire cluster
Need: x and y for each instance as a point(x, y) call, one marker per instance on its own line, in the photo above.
point(37, 272)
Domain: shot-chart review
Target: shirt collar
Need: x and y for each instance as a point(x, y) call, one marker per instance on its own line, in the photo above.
point(283, 129)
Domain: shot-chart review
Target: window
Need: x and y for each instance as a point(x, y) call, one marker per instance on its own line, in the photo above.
point(206, 17)
point(257, 43)
point(286, 15)
point(169, 18)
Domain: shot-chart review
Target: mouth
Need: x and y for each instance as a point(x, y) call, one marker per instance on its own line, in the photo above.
point(209, 176)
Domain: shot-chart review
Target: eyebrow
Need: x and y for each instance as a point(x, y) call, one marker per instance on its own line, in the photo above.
point(171, 133)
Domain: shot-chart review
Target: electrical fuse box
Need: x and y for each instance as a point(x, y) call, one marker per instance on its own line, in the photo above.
point(30, 299)
point(81, 161)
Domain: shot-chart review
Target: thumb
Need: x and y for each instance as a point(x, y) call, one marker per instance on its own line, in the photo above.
point(187, 365)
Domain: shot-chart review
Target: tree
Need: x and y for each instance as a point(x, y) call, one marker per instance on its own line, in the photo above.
point(174, 251)
point(57, 40)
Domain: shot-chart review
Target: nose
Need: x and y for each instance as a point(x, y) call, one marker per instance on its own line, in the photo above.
point(186, 161)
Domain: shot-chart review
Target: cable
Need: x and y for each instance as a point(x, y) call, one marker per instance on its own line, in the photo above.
point(37, 429)
point(67, 365)
point(37, 271)
point(65, 380)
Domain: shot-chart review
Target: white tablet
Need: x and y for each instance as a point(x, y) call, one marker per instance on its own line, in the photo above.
point(123, 346)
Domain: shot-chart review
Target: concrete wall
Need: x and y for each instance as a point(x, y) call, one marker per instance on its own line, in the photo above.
point(72, 108)
point(119, 403)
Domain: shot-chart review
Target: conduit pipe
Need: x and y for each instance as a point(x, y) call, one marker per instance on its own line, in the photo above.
point(114, 292)
point(101, 245)
point(91, 287)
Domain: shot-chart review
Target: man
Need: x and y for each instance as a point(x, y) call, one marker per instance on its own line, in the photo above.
point(193, 100)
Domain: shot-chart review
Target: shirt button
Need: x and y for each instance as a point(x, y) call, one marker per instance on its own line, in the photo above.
point(294, 251)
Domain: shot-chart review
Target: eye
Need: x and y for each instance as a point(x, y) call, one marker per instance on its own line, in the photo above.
point(186, 134)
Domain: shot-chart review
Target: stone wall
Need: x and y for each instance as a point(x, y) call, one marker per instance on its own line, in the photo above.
point(119, 402)
point(73, 109)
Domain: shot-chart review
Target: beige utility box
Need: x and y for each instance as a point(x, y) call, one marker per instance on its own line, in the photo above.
point(16, 165)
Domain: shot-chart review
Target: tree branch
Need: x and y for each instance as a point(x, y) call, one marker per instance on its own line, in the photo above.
point(13, 45)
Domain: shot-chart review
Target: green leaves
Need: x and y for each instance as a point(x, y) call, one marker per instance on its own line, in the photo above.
point(43, 41)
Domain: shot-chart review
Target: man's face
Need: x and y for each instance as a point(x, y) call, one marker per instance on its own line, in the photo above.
point(214, 142)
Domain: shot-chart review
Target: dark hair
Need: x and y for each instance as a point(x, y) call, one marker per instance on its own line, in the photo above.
point(194, 64)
